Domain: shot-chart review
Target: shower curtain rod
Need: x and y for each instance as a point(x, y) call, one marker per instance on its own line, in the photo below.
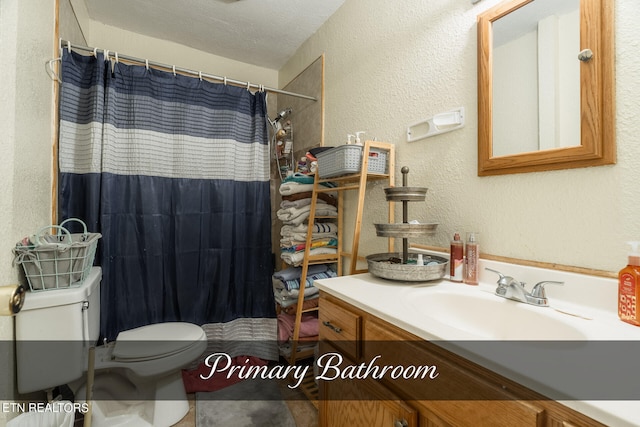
point(225, 80)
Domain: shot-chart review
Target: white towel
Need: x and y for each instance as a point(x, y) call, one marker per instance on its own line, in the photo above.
point(296, 216)
point(296, 258)
point(294, 187)
point(318, 227)
point(300, 203)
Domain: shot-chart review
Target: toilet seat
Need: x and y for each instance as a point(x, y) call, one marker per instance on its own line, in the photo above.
point(156, 341)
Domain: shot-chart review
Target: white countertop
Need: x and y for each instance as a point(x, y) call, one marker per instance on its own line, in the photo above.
point(585, 304)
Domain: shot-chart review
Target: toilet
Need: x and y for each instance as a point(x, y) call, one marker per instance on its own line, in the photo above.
point(138, 378)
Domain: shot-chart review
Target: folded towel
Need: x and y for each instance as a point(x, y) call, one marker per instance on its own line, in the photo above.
point(296, 258)
point(286, 323)
point(294, 187)
point(300, 178)
point(285, 301)
point(292, 273)
point(300, 239)
point(311, 278)
point(297, 216)
point(318, 227)
point(300, 203)
point(318, 243)
point(327, 197)
point(288, 188)
point(288, 297)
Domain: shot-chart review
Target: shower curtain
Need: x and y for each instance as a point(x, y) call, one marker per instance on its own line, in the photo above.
point(174, 172)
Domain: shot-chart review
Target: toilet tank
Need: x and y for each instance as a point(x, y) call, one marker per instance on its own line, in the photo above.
point(54, 331)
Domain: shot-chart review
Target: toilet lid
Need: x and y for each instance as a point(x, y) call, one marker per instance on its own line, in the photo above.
point(157, 340)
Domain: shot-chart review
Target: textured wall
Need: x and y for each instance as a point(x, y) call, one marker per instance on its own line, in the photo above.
point(26, 43)
point(389, 64)
point(139, 46)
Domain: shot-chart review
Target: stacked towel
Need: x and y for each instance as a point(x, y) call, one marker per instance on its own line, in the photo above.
point(297, 215)
point(308, 327)
point(286, 283)
point(292, 235)
point(294, 213)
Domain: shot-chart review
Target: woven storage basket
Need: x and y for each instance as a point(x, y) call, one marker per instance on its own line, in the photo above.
point(347, 159)
point(54, 261)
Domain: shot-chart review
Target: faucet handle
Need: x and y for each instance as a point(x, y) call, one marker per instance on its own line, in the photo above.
point(504, 281)
point(495, 271)
point(538, 290)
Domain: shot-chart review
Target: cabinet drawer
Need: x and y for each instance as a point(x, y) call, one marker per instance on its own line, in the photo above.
point(340, 326)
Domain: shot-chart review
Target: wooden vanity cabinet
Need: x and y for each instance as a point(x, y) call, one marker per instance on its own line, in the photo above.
point(357, 336)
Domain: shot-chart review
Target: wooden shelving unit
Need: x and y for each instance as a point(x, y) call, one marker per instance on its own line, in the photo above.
point(344, 183)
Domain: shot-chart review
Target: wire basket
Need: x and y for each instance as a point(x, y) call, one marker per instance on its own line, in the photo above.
point(54, 261)
point(347, 159)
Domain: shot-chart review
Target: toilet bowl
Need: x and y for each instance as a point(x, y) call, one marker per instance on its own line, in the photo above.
point(138, 378)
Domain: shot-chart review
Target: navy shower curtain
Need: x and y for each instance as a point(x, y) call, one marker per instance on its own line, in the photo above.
point(174, 172)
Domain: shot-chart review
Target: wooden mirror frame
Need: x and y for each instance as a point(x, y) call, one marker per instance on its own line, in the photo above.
point(597, 97)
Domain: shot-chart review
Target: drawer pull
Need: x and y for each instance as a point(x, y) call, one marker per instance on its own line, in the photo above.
point(330, 326)
point(400, 423)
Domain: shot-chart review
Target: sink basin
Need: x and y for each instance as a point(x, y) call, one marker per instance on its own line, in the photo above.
point(487, 316)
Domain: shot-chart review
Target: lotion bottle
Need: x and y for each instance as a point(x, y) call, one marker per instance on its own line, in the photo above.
point(456, 260)
point(628, 289)
point(358, 141)
point(472, 254)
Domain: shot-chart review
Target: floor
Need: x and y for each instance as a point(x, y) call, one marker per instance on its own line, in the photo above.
point(303, 410)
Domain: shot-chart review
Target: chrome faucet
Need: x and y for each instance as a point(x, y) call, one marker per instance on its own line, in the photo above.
point(510, 288)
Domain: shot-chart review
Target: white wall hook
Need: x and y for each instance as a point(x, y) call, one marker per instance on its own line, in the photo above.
point(440, 123)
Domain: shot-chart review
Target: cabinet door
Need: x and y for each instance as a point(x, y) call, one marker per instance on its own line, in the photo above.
point(458, 396)
point(363, 403)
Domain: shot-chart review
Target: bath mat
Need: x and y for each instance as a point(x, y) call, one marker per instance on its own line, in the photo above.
point(245, 404)
point(194, 382)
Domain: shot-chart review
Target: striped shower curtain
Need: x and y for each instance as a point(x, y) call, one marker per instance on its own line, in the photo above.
point(174, 172)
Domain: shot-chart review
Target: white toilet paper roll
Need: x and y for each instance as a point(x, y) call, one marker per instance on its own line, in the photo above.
point(11, 299)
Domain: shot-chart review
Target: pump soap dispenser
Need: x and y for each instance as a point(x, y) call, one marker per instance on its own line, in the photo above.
point(358, 141)
point(628, 289)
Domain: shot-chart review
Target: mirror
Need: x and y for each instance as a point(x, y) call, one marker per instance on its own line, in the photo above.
point(540, 107)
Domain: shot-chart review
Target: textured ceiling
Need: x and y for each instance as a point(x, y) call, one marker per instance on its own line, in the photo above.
point(259, 32)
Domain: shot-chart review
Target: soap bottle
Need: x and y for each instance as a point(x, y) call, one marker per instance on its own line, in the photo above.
point(456, 260)
point(628, 289)
point(358, 141)
point(349, 139)
point(472, 254)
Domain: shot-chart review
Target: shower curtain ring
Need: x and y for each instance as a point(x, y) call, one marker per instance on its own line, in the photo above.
point(200, 75)
point(225, 80)
point(95, 52)
point(117, 60)
point(248, 86)
point(174, 71)
point(146, 64)
point(69, 46)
